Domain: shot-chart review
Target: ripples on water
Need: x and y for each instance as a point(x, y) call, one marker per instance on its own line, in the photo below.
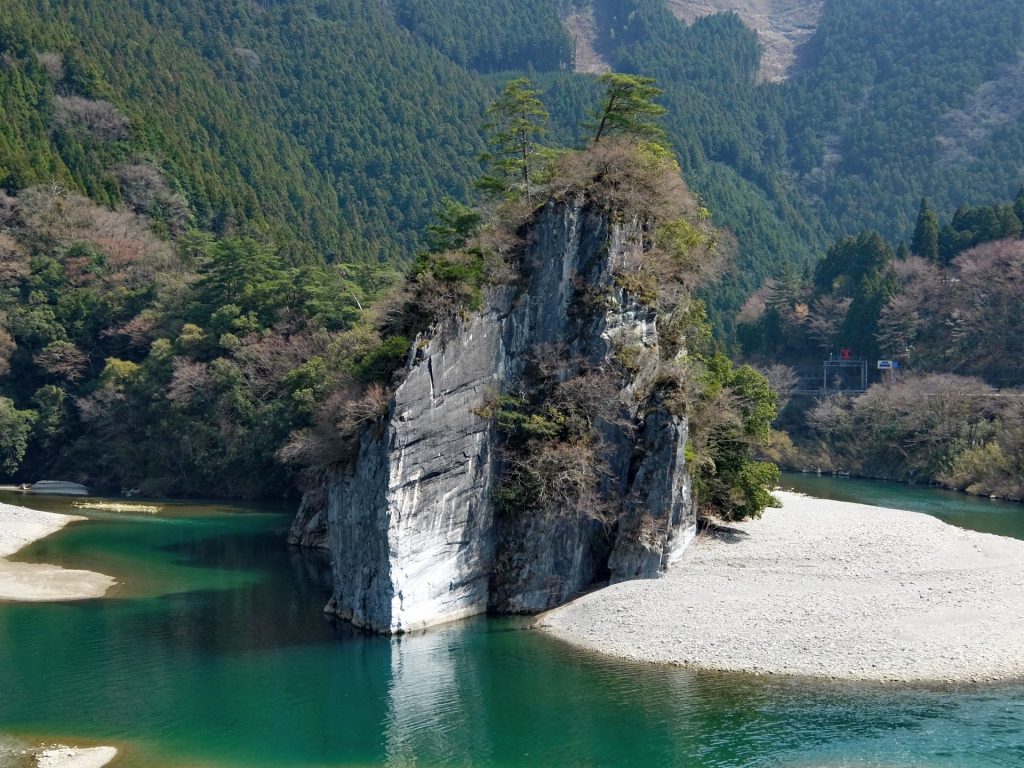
point(216, 653)
point(556, 707)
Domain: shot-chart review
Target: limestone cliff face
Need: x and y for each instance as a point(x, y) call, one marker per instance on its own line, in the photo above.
point(412, 529)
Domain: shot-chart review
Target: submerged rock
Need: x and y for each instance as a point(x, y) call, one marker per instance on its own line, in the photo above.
point(412, 527)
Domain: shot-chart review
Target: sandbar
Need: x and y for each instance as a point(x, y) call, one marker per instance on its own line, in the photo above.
point(75, 757)
point(35, 582)
point(824, 589)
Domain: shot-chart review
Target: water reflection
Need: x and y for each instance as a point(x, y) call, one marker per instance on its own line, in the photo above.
point(467, 696)
point(434, 701)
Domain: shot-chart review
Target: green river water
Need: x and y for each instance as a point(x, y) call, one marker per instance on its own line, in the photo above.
point(214, 652)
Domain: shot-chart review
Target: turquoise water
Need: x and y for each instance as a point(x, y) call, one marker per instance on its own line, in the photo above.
point(214, 652)
point(977, 513)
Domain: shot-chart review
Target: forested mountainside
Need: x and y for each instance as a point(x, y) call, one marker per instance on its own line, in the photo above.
point(140, 356)
point(781, 25)
point(323, 127)
point(901, 99)
point(201, 196)
point(946, 301)
point(130, 361)
point(887, 102)
point(335, 127)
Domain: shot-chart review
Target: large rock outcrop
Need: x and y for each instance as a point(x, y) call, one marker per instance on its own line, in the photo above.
point(413, 532)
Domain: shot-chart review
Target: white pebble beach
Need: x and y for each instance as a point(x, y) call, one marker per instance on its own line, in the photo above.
point(823, 589)
point(33, 582)
point(75, 757)
point(17, 754)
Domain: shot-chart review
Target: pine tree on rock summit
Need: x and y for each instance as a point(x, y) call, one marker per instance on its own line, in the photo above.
point(516, 120)
point(629, 109)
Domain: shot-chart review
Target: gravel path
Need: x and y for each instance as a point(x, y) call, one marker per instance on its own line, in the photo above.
point(20, 526)
point(824, 589)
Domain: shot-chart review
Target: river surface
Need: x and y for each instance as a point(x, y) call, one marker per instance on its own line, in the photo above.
point(214, 652)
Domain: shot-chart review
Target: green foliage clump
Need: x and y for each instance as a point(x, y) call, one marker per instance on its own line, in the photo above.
point(516, 121)
point(991, 469)
point(553, 449)
point(926, 233)
point(15, 429)
point(731, 417)
point(629, 109)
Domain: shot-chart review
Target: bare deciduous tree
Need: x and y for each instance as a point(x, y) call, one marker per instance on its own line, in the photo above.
point(53, 63)
point(147, 192)
point(134, 253)
point(783, 381)
point(189, 380)
point(824, 319)
point(63, 359)
point(100, 118)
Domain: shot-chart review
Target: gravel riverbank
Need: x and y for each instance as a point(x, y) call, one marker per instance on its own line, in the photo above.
point(19, 526)
point(75, 757)
point(825, 589)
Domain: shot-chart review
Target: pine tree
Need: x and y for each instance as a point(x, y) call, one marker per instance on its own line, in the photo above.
point(516, 120)
point(925, 242)
point(629, 108)
point(454, 224)
point(1018, 204)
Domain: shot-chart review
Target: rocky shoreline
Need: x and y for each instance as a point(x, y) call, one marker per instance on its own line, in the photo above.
point(823, 589)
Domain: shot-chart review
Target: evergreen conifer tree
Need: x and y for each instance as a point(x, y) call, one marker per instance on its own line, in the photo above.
point(516, 120)
point(925, 242)
point(629, 108)
point(1009, 222)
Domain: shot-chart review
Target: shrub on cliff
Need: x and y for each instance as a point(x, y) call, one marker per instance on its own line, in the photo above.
point(553, 446)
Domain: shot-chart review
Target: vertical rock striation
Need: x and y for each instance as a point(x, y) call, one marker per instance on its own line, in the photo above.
point(413, 533)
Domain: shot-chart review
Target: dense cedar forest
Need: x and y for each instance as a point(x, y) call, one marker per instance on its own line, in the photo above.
point(204, 200)
point(273, 119)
